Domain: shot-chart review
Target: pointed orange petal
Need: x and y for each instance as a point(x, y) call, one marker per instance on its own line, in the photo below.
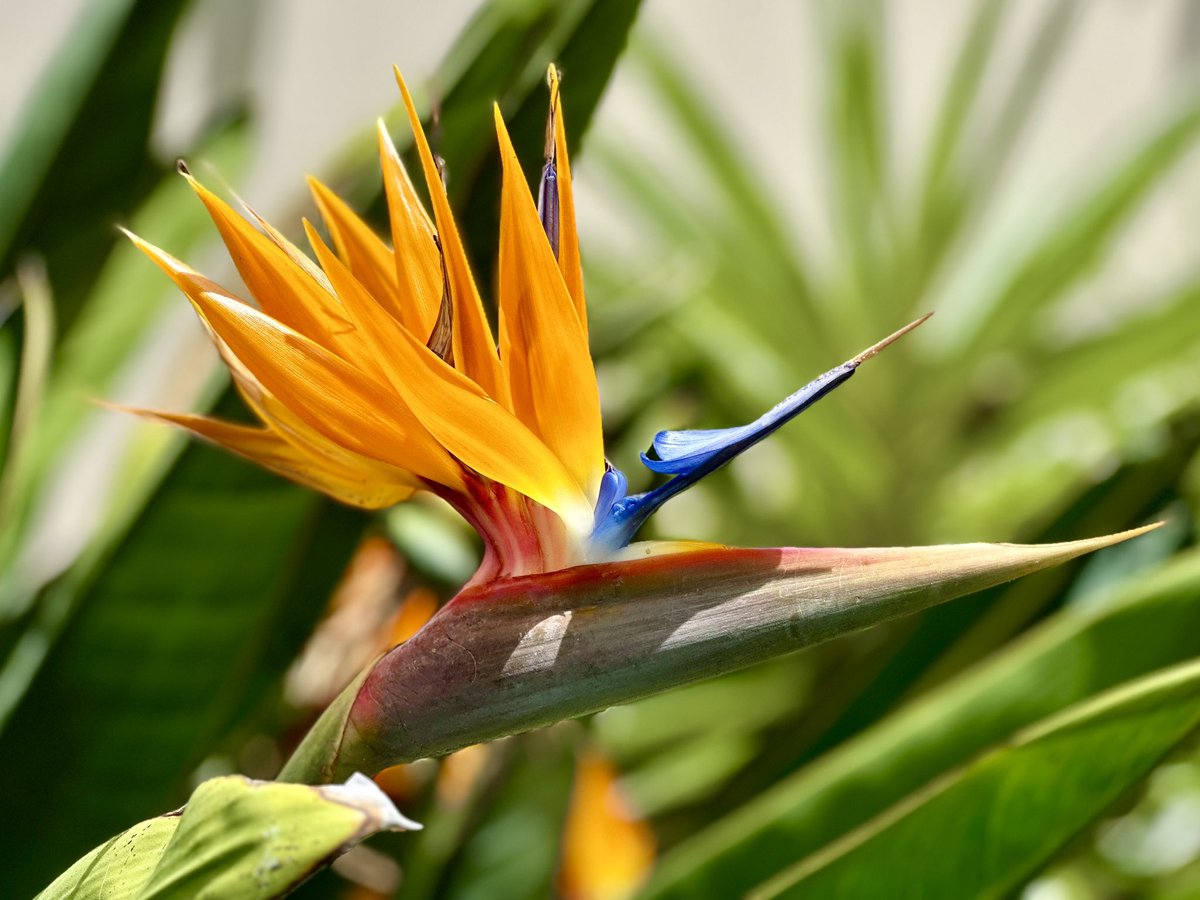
point(328, 394)
point(262, 446)
point(306, 439)
point(543, 346)
point(345, 343)
point(456, 411)
point(417, 262)
point(293, 253)
point(569, 262)
point(193, 284)
point(474, 349)
point(266, 406)
point(286, 291)
point(185, 277)
point(360, 248)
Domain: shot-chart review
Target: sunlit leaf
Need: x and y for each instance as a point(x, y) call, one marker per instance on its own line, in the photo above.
point(80, 159)
point(235, 839)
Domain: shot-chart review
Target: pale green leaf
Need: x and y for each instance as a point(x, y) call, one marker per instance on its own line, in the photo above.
point(236, 839)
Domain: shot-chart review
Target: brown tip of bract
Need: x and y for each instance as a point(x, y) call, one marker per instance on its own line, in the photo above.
point(889, 340)
point(1071, 549)
point(1122, 536)
point(181, 167)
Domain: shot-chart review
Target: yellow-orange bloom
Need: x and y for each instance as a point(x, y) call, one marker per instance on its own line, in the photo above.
point(374, 372)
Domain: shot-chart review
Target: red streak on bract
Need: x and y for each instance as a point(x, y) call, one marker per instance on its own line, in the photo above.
point(667, 569)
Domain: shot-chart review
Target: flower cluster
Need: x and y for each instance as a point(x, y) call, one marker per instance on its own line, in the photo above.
point(374, 371)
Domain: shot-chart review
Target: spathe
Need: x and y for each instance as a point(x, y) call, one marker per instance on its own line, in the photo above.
point(524, 652)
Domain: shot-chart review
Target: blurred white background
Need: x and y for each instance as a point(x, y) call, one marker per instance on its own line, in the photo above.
point(322, 72)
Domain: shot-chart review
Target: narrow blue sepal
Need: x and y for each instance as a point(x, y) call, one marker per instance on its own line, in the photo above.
point(612, 491)
point(681, 452)
point(688, 456)
point(547, 204)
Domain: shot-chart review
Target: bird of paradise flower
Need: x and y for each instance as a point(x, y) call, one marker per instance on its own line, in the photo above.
point(375, 374)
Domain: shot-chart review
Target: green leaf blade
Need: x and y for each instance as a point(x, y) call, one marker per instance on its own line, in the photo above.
point(981, 831)
point(236, 839)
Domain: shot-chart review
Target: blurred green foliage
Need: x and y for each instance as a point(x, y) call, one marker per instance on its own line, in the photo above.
point(157, 649)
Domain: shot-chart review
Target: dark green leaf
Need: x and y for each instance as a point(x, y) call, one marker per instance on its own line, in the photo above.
point(982, 830)
point(81, 161)
point(199, 610)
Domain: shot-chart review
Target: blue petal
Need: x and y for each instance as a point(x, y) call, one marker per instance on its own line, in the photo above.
point(690, 455)
point(674, 450)
point(547, 204)
point(612, 491)
point(681, 452)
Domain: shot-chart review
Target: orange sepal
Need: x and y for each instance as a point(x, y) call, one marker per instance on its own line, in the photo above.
point(417, 263)
point(361, 249)
point(474, 349)
point(569, 262)
point(346, 405)
point(455, 410)
point(269, 450)
point(543, 346)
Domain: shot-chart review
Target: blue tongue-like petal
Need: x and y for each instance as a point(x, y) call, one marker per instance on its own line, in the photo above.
point(673, 451)
point(690, 455)
point(681, 452)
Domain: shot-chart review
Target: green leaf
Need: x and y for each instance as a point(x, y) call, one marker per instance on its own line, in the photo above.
point(1095, 372)
point(502, 842)
point(236, 839)
point(520, 653)
point(585, 37)
point(18, 457)
point(148, 663)
point(858, 141)
point(964, 165)
point(1022, 801)
point(1072, 657)
point(80, 160)
point(942, 193)
point(48, 113)
point(128, 298)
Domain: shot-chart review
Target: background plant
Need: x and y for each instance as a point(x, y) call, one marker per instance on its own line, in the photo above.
point(137, 662)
